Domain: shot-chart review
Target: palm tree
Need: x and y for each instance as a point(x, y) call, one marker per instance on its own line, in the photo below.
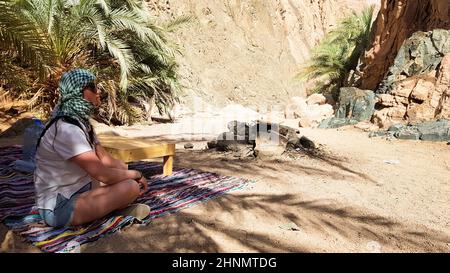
point(338, 53)
point(115, 38)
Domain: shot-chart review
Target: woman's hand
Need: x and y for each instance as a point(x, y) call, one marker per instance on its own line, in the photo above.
point(143, 184)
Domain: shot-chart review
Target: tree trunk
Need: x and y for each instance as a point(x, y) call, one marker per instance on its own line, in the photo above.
point(397, 21)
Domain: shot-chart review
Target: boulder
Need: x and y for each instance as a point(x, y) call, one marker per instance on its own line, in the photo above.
point(316, 99)
point(428, 131)
point(355, 103)
point(381, 134)
point(407, 135)
point(228, 141)
point(300, 143)
point(251, 140)
point(305, 122)
point(189, 146)
point(311, 114)
point(242, 129)
point(211, 144)
point(434, 130)
point(287, 131)
point(396, 127)
point(307, 143)
point(296, 108)
point(336, 122)
point(317, 113)
point(381, 119)
point(436, 136)
point(366, 126)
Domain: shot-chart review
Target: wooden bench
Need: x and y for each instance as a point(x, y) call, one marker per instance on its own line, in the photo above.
point(131, 149)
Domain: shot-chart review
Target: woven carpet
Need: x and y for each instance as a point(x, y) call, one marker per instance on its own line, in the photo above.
point(184, 188)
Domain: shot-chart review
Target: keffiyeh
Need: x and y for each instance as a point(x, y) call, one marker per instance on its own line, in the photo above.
point(71, 101)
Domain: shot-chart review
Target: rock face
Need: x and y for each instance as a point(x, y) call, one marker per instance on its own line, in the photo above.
point(397, 21)
point(248, 51)
point(420, 54)
point(417, 87)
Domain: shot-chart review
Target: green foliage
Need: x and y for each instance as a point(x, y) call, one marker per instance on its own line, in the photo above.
point(116, 39)
point(338, 53)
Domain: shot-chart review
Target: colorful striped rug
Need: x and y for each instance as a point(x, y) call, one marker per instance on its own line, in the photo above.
point(166, 195)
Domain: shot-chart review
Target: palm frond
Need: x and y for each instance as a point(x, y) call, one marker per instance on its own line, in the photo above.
point(117, 39)
point(177, 22)
point(123, 19)
point(339, 51)
point(122, 53)
point(105, 6)
point(19, 36)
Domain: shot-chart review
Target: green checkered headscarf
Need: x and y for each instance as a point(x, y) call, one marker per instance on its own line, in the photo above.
point(71, 101)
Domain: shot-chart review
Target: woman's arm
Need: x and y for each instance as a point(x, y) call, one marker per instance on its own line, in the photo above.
point(108, 160)
point(90, 162)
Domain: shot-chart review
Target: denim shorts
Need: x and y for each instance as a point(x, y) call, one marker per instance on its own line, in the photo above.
point(62, 214)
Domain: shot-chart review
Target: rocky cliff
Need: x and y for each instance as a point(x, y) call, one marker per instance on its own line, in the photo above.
point(397, 21)
point(248, 51)
point(417, 86)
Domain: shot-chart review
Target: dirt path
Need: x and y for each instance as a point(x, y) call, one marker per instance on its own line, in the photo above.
point(350, 201)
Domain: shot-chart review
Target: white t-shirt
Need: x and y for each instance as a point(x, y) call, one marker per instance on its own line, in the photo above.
point(54, 172)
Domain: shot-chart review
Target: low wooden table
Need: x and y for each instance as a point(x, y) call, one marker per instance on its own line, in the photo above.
point(131, 149)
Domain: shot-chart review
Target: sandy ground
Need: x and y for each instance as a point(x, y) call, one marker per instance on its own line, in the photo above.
point(347, 201)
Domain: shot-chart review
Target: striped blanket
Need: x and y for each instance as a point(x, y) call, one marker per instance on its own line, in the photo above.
point(166, 195)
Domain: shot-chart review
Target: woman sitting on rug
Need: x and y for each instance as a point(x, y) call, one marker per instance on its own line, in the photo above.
point(71, 163)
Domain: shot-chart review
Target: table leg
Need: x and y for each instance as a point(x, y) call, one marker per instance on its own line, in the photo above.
point(167, 165)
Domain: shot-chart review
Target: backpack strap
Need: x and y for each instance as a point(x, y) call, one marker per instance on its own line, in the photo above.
point(73, 121)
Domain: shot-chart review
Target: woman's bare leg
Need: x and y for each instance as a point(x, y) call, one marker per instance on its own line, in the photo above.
point(100, 201)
